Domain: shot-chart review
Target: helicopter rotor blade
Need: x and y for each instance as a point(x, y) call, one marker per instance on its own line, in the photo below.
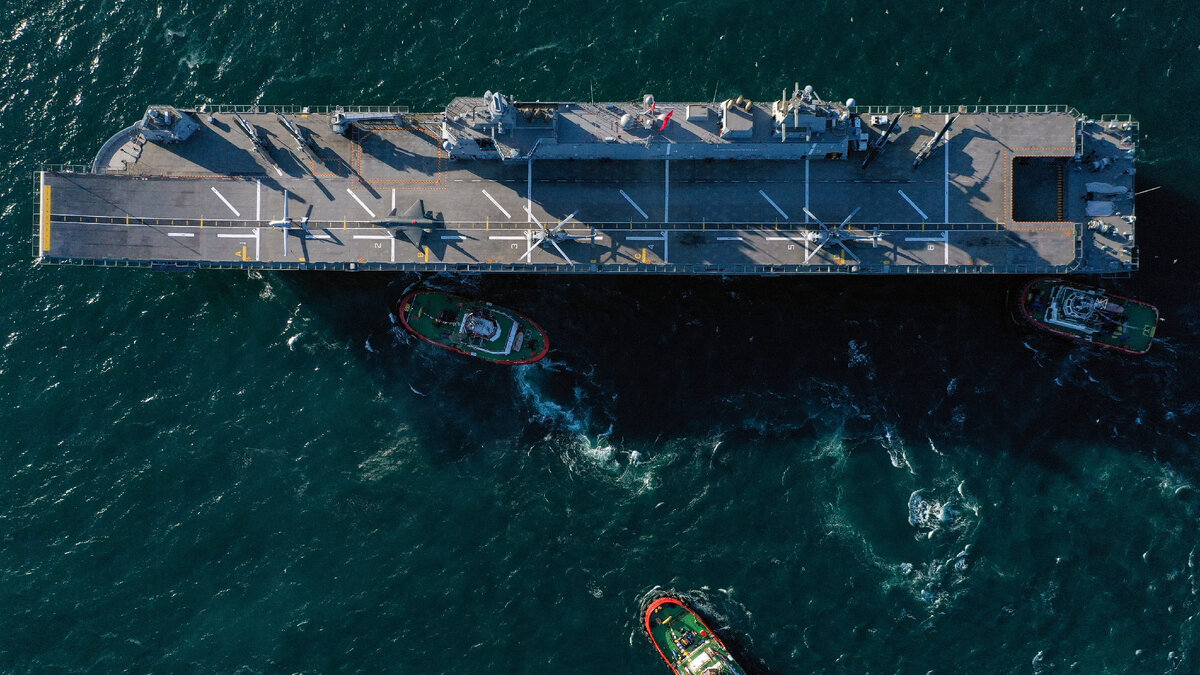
point(852, 214)
point(850, 253)
point(808, 256)
point(563, 222)
point(560, 251)
point(537, 241)
point(810, 215)
point(535, 219)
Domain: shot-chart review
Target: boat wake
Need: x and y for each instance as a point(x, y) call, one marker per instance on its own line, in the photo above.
point(577, 430)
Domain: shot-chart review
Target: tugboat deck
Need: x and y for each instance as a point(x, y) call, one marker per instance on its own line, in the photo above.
point(1005, 192)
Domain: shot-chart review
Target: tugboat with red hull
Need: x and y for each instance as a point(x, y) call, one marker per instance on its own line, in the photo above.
point(1088, 315)
point(685, 642)
point(473, 327)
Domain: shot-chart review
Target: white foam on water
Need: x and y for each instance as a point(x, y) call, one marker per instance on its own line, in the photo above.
point(895, 449)
point(857, 357)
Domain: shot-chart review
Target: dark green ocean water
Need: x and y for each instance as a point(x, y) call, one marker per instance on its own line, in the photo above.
point(223, 472)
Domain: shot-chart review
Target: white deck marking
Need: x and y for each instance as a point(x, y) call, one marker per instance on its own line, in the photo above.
point(529, 192)
point(257, 243)
point(393, 200)
point(806, 189)
point(915, 207)
point(246, 235)
point(791, 239)
point(360, 202)
point(493, 200)
point(393, 248)
point(308, 235)
point(180, 234)
point(452, 237)
point(258, 200)
point(499, 237)
point(634, 204)
point(773, 204)
point(729, 238)
point(945, 239)
point(373, 236)
point(235, 211)
point(946, 211)
point(643, 238)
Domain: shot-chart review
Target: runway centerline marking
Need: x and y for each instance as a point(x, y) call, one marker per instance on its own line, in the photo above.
point(634, 204)
point(773, 204)
point(235, 211)
point(360, 203)
point(493, 200)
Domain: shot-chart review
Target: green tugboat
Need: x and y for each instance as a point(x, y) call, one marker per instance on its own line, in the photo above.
point(473, 327)
point(685, 642)
point(1088, 315)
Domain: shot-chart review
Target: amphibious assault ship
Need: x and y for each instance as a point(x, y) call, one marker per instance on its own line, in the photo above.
point(796, 185)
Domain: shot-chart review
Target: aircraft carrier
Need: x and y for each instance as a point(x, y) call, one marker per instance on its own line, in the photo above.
point(795, 185)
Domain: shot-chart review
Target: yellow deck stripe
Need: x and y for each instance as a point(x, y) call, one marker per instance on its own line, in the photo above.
point(46, 218)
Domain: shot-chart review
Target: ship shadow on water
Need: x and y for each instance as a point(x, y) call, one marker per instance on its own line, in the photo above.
point(939, 356)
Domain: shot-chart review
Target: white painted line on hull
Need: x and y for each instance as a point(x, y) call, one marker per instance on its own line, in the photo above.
point(915, 207)
point(729, 238)
point(773, 204)
point(634, 204)
point(245, 235)
point(235, 211)
point(498, 237)
point(180, 234)
point(373, 236)
point(258, 200)
point(360, 203)
point(493, 200)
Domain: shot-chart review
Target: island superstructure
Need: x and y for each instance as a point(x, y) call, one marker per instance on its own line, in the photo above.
point(795, 185)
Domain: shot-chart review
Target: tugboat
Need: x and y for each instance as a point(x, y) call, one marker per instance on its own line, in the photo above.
point(685, 641)
point(473, 327)
point(1088, 315)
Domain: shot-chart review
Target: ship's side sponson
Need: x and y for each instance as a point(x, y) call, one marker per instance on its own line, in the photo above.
point(497, 184)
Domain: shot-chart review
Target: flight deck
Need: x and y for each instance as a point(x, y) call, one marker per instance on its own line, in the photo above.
point(792, 186)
